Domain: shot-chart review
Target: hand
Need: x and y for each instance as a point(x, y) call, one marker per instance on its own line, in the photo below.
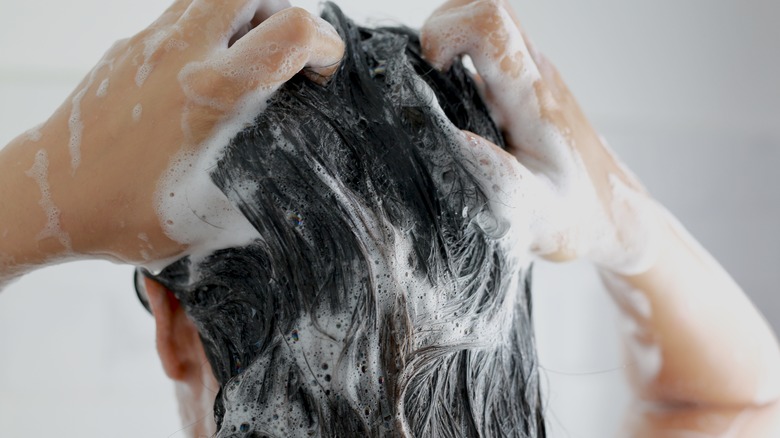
point(158, 95)
point(688, 324)
point(584, 203)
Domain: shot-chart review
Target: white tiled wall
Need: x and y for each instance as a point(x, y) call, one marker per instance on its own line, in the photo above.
point(686, 92)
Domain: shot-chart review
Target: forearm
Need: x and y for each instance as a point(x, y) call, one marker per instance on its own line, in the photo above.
point(29, 217)
point(693, 336)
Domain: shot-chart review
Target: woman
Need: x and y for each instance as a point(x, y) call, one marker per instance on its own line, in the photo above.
point(651, 264)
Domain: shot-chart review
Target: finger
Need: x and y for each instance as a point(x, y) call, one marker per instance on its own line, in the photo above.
point(452, 4)
point(482, 29)
point(494, 163)
point(265, 11)
point(172, 14)
point(266, 57)
point(283, 45)
point(485, 31)
point(516, 196)
point(222, 22)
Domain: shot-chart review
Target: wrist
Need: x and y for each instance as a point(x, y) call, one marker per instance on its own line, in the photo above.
point(29, 231)
point(632, 233)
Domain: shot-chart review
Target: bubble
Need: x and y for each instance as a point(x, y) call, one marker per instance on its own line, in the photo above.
point(137, 112)
point(39, 172)
point(295, 219)
point(102, 88)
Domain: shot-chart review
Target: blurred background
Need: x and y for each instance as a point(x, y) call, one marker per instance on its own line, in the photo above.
point(687, 93)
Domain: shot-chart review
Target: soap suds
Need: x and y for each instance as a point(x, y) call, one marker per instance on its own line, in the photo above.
point(76, 127)
point(39, 172)
point(145, 247)
point(151, 45)
point(102, 88)
point(75, 124)
point(192, 210)
point(635, 235)
point(444, 317)
point(636, 310)
point(34, 135)
point(175, 44)
point(137, 109)
point(556, 168)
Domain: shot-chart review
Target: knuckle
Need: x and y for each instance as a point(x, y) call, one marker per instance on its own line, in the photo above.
point(120, 45)
point(298, 16)
point(298, 24)
point(490, 10)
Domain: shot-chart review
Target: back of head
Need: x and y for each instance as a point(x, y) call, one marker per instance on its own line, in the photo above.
point(380, 299)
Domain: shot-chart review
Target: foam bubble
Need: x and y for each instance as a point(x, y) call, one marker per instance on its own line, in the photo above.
point(631, 253)
point(75, 124)
point(316, 342)
point(191, 208)
point(646, 358)
point(34, 135)
point(102, 88)
point(39, 172)
point(137, 109)
point(175, 44)
point(151, 45)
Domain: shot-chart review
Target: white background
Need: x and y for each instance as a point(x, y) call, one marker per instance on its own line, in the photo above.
point(687, 92)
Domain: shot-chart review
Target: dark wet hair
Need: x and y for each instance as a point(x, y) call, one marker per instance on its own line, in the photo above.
point(379, 300)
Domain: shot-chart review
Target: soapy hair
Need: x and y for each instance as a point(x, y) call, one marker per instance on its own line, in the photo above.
point(378, 300)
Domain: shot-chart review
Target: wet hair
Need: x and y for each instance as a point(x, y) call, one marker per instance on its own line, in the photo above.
point(379, 299)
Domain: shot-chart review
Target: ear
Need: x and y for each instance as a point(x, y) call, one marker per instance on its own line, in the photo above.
point(178, 343)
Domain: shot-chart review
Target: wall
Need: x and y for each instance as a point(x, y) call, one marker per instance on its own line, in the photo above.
point(686, 92)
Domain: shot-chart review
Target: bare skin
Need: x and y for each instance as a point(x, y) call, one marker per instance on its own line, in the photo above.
point(717, 364)
point(711, 362)
point(83, 183)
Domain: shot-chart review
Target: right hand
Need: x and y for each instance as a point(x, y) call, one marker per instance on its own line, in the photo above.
point(582, 202)
point(155, 95)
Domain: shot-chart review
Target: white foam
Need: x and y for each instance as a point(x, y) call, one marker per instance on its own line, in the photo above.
point(137, 109)
point(645, 354)
point(151, 45)
point(629, 241)
point(102, 88)
point(34, 135)
point(175, 44)
point(75, 124)
point(549, 152)
point(39, 172)
point(192, 209)
point(76, 127)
